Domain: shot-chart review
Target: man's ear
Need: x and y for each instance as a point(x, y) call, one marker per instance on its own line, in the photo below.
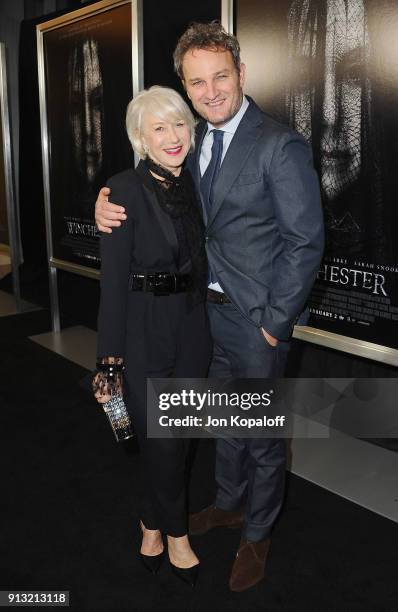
point(242, 74)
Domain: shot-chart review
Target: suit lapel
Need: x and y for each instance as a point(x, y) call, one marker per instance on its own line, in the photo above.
point(195, 164)
point(245, 138)
point(163, 218)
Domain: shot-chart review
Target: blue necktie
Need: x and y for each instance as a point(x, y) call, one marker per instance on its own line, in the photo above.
point(209, 177)
point(210, 174)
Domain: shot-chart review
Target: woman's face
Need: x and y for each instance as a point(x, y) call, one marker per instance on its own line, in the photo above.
point(341, 134)
point(86, 108)
point(167, 141)
point(341, 51)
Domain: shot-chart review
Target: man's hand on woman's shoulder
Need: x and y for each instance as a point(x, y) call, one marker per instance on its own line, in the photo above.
point(107, 215)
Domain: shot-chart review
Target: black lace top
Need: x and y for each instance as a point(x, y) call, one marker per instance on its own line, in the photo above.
point(176, 196)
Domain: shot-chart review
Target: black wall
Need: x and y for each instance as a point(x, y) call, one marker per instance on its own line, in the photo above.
point(164, 22)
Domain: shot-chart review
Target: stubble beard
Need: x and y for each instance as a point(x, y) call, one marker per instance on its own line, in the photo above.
point(226, 119)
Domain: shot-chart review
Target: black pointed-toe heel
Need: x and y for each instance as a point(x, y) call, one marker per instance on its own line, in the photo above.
point(152, 563)
point(189, 575)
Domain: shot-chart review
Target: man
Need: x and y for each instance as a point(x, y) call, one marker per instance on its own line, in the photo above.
point(264, 239)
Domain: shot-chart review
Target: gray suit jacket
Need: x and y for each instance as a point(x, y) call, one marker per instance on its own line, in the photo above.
point(265, 234)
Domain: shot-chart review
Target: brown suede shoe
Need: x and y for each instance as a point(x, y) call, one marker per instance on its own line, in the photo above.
point(202, 522)
point(249, 565)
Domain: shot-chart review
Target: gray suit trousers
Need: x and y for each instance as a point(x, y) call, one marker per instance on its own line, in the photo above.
point(250, 471)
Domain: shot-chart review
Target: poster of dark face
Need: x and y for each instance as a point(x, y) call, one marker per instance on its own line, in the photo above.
point(88, 84)
point(329, 69)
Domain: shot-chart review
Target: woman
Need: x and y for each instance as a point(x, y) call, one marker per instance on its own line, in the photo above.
point(152, 316)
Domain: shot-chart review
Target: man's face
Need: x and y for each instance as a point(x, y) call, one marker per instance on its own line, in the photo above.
point(213, 84)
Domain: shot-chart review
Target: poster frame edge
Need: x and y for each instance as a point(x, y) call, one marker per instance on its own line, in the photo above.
point(9, 176)
point(347, 344)
point(227, 15)
point(137, 78)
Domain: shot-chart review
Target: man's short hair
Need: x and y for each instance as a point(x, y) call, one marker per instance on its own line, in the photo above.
point(211, 36)
point(163, 102)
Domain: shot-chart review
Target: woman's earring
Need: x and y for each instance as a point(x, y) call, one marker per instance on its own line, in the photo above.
point(146, 148)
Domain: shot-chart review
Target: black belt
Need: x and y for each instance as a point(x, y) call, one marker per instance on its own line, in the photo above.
point(217, 297)
point(160, 283)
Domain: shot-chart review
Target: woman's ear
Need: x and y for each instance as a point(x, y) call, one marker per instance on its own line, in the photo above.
point(141, 140)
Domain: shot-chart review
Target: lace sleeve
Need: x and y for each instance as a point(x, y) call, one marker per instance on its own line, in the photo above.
point(108, 378)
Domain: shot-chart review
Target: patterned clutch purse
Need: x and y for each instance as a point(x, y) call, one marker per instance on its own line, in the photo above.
point(119, 419)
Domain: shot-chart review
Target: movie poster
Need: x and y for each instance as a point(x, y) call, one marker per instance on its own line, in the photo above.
point(88, 84)
point(329, 69)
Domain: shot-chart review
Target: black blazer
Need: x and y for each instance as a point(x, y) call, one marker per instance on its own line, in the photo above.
point(145, 242)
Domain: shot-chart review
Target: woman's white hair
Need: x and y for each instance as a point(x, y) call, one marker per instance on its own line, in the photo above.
point(164, 103)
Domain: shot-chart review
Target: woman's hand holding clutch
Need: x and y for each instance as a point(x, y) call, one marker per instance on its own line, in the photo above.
point(108, 380)
point(108, 390)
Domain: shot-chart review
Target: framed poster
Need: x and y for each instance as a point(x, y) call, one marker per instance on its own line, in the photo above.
point(4, 238)
point(89, 66)
point(9, 227)
point(328, 69)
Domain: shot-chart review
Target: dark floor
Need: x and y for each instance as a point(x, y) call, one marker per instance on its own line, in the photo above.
point(70, 518)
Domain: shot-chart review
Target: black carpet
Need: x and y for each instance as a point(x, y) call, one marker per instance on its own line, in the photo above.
point(70, 519)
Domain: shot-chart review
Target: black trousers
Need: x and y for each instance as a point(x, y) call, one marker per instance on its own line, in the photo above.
point(247, 470)
point(165, 338)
